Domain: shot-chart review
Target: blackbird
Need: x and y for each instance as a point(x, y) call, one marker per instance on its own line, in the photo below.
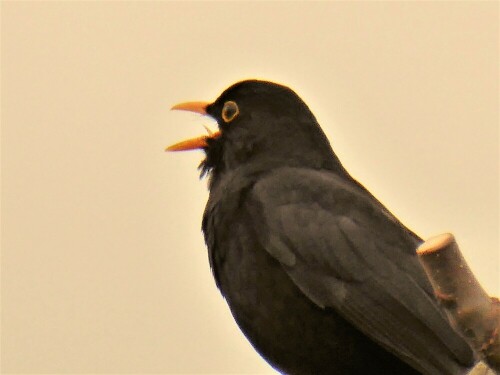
point(318, 274)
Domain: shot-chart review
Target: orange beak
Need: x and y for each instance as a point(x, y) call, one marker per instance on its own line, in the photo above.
point(193, 143)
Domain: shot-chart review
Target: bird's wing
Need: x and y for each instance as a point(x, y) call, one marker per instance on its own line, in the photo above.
point(345, 251)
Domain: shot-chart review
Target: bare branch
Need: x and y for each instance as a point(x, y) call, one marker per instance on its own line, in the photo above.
point(474, 313)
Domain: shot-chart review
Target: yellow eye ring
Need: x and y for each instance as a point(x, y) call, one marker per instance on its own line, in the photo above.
point(230, 111)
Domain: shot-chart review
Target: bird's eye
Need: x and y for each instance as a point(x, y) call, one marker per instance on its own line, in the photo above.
point(230, 111)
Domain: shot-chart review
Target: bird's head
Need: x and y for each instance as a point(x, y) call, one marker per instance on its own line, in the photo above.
point(262, 123)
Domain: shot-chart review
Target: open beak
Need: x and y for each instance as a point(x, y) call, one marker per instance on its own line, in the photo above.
point(193, 143)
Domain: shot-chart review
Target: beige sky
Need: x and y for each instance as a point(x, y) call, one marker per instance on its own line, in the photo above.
point(104, 269)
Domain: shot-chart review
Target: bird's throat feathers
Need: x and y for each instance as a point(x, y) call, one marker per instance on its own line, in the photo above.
point(212, 164)
point(234, 151)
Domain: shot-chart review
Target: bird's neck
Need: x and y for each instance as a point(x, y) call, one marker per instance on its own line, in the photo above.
point(305, 147)
point(253, 157)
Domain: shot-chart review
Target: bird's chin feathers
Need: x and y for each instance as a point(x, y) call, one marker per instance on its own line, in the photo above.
point(211, 165)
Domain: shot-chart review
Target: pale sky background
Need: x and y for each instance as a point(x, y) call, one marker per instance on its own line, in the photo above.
point(104, 269)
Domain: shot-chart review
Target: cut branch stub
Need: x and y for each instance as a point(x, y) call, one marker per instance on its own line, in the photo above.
point(474, 313)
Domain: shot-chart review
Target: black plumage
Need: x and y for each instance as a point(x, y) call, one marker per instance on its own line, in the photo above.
point(318, 274)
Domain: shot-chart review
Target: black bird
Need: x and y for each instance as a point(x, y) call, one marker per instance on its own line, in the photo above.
point(318, 274)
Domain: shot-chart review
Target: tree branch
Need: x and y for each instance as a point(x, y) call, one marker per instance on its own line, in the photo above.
point(469, 308)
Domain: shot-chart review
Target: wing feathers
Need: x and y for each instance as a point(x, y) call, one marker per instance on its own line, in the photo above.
point(346, 252)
